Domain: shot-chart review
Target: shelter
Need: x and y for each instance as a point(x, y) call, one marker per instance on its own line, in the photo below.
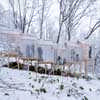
point(28, 48)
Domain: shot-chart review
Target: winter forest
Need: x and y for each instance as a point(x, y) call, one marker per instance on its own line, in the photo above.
point(49, 49)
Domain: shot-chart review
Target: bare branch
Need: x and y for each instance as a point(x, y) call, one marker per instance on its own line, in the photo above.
point(95, 27)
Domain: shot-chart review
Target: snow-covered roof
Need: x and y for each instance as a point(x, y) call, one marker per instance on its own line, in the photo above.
point(18, 35)
point(45, 42)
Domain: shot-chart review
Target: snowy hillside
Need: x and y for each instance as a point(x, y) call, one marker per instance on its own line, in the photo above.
point(49, 49)
point(24, 85)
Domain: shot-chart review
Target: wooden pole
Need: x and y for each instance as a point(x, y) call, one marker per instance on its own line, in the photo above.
point(8, 61)
point(86, 72)
point(18, 62)
point(80, 67)
point(75, 63)
point(36, 68)
point(23, 63)
point(45, 68)
point(53, 68)
point(28, 64)
point(93, 66)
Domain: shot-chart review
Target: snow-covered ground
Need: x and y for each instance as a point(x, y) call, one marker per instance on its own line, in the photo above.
point(24, 85)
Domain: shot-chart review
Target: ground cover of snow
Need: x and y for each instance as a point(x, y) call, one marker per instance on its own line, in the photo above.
point(24, 85)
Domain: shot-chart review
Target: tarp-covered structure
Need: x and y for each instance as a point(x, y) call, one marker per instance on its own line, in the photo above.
point(28, 46)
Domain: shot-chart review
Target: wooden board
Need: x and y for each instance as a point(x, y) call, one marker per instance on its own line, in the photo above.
point(29, 58)
point(46, 62)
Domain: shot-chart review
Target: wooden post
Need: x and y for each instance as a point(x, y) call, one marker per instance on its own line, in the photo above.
point(68, 66)
point(93, 66)
point(75, 63)
point(18, 62)
point(45, 68)
point(8, 61)
point(86, 71)
point(31, 62)
point(80, 63)
point(52, 69)
point(28, 64)
point(24, 63)
point(63, 67)
point(36, 68)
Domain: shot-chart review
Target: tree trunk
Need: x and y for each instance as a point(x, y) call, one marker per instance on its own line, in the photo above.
point(42, 19)
point(60, 28)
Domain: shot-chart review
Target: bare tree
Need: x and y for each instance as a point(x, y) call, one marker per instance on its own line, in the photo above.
point(43, 14)
point(93, 29)
point(21, 17)
point(3, 14)
point(12, 4)
point(51, 31)
point(1, 11)
point(42, 19)
point(30, 19)
point(71, 12)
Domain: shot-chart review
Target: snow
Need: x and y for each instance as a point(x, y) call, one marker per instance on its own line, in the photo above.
point(24, 85)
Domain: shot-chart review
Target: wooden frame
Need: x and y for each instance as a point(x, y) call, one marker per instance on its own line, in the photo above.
point(81, 45)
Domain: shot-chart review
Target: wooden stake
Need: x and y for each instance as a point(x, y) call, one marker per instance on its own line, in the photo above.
point(8, 61)
point(45, 68)
point(28, 64)
point(93, 66)
point(86, 72)
point(18, 63)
